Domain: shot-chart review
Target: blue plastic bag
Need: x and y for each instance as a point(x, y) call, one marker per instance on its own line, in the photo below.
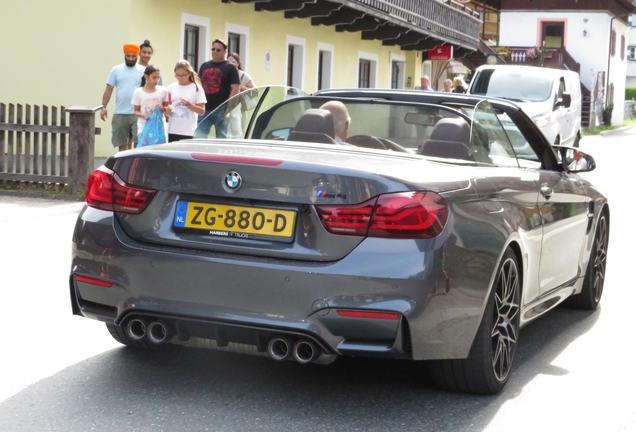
point(154, 131)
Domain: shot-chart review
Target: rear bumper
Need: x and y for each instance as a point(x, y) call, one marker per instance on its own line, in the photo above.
point(244, 299)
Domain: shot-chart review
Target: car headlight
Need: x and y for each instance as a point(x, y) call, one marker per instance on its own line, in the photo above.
point(542, 120)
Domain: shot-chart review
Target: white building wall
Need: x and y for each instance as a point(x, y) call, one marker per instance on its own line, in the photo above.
point(618, 74)
point(524, 29)
point(631, 64)
point(587, 40)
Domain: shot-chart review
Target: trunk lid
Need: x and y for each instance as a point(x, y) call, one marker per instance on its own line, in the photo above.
point(258, 198)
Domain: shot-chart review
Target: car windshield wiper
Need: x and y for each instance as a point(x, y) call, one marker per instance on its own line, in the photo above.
point(513, 99)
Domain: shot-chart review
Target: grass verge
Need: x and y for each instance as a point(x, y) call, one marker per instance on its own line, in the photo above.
point(601, 128)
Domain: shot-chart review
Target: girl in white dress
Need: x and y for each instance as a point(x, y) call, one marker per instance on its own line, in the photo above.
point(149, 101)
point(187, 101)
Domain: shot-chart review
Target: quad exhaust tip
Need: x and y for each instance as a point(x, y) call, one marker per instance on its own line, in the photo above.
point(279, 348)
point(157, 333)
point(305, 351)
point(136, 329)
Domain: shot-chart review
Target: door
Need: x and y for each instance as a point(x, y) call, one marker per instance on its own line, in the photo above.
point(563, 209)
point(553, 34)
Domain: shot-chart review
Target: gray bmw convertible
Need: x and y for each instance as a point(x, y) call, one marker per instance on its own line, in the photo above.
point(420, 226)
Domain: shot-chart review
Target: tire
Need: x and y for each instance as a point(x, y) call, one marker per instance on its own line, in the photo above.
point(487, 368)
point(590, 296)
point(577, 140)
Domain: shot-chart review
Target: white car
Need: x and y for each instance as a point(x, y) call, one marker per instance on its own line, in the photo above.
point(551, 97)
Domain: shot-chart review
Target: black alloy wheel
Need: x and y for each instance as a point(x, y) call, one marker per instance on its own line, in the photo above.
point(487, 368)
point(505, 320)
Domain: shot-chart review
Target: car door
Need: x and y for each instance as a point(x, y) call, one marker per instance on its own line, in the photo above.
point(515, 182)
point(561, 203)
point(563, 207)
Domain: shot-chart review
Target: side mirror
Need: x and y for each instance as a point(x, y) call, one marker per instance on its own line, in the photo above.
point(574, 160)
point(564, 101)
point(585, 163)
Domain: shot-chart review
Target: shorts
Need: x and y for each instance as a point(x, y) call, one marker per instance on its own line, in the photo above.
point(124, 126)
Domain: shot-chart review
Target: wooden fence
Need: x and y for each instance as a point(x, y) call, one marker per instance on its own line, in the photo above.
point(47, 145)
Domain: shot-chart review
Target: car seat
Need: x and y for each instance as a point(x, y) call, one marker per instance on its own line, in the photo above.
point(450, 138)
point(314, 125)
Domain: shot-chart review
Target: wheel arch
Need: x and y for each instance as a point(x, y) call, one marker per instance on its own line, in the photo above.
point(516, 249)
point(606, 209)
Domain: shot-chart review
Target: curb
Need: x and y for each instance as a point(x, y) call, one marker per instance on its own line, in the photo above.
point(40, 195)
point(617, 130)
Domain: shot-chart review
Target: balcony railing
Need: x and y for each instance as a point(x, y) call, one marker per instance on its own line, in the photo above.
point(412, 24)
point(450, 22)
point(557, 58)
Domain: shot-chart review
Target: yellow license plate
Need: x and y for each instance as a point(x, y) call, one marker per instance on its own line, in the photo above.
point(224, 218)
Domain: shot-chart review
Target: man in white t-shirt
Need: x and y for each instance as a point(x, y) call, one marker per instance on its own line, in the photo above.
point(126, 77)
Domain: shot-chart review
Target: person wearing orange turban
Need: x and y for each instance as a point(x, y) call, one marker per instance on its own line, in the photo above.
point(125, 78)
point(131, 48)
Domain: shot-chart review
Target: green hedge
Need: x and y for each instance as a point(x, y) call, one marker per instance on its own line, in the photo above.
point(630, 93)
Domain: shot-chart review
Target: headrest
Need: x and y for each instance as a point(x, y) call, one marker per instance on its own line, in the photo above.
point(446, 150)
point(452, 129)
point(316, 121)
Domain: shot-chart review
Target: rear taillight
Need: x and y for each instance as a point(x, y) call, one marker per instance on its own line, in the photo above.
point(347, 219)
point(105, 190)
point(397, 215)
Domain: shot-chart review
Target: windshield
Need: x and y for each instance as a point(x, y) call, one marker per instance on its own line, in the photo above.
point(490, 144)
point(469, 135)
point(519, 85)
point(375, 124)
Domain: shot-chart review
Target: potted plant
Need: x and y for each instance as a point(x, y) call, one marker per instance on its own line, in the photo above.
point(537, 53)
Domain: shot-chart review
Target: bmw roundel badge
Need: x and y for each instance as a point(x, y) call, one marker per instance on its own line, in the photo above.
point(233, 180)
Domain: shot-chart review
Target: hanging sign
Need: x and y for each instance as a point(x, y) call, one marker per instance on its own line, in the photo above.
point(442, 52)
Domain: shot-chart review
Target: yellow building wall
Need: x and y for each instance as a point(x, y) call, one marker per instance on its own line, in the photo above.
point(70, 46)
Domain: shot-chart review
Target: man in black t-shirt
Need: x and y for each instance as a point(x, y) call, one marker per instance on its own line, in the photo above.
point(220, 80)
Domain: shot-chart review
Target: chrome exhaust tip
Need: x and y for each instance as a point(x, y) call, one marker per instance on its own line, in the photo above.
point(305, 352)
point(136, 329)
point(279, 348)
point(157, 333)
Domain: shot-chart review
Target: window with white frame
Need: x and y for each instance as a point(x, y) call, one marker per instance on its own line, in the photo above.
point(295, 62)
point(367, 69)
point(191, 44)
point(238, 39)
point(364, 73)
point(631, 53)
point(195, 39)
point(398, 67)
point(325, 66)
point(233, 43)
